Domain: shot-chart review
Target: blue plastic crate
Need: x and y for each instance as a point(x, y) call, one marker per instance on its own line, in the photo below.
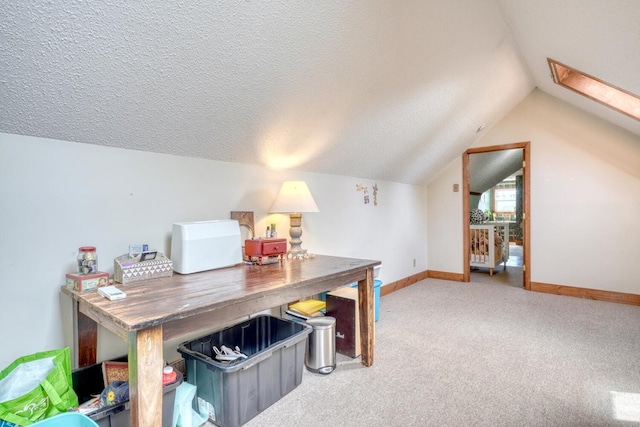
point(68, 419)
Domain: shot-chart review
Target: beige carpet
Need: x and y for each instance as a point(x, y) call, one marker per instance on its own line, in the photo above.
point(480, 354)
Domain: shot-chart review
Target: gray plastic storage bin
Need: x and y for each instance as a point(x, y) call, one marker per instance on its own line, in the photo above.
point(89, 381)
point(233, 393)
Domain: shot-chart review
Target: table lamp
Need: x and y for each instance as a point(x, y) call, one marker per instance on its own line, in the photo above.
point(294, 198)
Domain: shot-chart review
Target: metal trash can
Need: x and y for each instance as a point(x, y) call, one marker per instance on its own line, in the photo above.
point(321, 345)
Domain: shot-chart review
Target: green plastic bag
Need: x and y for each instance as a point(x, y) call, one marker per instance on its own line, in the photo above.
point(37, 386)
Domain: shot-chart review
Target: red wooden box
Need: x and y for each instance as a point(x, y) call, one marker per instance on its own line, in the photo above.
point(260, 248)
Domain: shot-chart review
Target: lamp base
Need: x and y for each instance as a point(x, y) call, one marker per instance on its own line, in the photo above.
point(302, 253)
point(295, 231)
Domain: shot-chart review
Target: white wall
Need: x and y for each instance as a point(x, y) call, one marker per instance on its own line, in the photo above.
point(585, 196)
point(57, 195)
point(444, 220)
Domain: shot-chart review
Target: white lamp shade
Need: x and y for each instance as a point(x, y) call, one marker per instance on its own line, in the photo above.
point(294, 197)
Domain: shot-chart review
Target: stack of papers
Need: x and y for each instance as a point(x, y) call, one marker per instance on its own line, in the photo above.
point(90, 406)
point(111, 292)
point(309, 307)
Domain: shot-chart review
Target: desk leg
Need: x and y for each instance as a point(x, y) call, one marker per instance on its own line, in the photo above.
point(367, 332)
point(85, 337)
point(145, 377)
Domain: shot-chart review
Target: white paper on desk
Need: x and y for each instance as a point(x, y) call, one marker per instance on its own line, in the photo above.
point(111, 292)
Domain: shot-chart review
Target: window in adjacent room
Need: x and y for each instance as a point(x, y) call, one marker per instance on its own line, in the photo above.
point(596, 89)
point(504, 198)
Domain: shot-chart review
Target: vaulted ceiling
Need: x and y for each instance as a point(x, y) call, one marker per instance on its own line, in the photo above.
point(375, 89)
point(489, 168)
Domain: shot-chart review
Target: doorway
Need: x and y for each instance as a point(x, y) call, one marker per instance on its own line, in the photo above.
point(524, 148)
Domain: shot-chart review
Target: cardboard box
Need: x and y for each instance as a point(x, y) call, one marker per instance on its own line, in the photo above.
point(87, 282)
point(127, 270)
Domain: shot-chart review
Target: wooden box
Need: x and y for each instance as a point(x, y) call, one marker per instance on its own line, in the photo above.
point(259, 248)
point(343, 305)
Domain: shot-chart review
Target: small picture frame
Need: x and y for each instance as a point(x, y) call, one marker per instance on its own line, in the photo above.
point(148, 256)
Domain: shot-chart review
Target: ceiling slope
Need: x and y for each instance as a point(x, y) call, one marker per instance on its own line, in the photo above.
point(597, 37)
point(381, 90)
point(376, 89)
point(490, 168)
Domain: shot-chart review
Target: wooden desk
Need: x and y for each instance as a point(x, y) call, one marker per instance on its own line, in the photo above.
point(170, 307)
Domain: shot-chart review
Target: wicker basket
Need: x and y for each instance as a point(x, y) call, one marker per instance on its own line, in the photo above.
point(115, 371)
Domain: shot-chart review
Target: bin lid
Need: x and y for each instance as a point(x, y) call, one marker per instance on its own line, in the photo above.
point(322, 322)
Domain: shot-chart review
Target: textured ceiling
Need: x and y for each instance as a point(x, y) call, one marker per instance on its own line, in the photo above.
point(376, 89)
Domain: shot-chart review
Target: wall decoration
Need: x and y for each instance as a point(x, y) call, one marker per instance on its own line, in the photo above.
point(375, 194)
point(365, 193)
point(247, 230)
point(245, 219)
point(365, 190)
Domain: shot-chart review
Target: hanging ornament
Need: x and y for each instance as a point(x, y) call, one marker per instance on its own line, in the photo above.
point(375, 194)
point(365, 191)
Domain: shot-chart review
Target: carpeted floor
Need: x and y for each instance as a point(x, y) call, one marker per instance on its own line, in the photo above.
point(480, 354)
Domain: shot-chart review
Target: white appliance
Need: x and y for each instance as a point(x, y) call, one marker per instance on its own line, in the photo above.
point(205, 245)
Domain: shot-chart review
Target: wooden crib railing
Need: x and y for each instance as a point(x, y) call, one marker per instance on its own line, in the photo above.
point(485, 251)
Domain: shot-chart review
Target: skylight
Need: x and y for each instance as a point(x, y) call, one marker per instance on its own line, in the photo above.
point(596, 89)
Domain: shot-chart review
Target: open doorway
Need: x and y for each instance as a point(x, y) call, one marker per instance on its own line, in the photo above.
point(497, 160)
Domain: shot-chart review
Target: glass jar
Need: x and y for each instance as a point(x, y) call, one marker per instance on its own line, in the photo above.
point(87, 260)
